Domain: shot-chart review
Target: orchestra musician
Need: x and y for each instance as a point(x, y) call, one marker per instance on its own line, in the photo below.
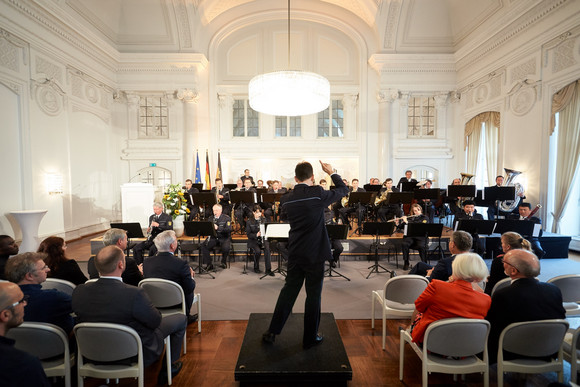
point(260, 184)
point(388, 211)
point(417, 243)
point(525, 210)
point(454, 205)
point(246, 175)
point(276, 188)
point(407, 179)
point(223, 226)
point(222, 195)
point(158, 222)
point(335, 244)
point(470, 213)
point(243, 211)
point(255, 227)
point(491, 210)
point(429, 205)
point(358, 207)
point(193, 209)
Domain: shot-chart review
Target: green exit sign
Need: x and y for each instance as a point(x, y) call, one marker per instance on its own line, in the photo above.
point(152, 164)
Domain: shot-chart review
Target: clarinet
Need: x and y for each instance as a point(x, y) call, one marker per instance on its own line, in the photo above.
point(260, 239)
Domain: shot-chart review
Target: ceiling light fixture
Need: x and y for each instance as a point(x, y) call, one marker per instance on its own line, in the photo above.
point(289, 92)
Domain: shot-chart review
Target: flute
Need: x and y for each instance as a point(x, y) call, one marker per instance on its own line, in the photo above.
point(396, 219)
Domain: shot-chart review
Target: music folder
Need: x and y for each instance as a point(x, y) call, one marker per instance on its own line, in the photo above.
point(277, 230)
point(133, 229)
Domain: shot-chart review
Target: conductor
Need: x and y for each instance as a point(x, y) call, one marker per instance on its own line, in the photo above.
point(309, 248)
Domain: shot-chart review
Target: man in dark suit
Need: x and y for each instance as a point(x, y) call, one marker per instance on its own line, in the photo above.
point(388, 211)
point(309, 248)
point(7, 248)
point(407, 179)
point(193, 208)
point(133, 273)
point(355, 207)
point(223, 229)
point(167, 266)
point(526, 299)
point(525, 210)
point(223, 195)
point(158, 222)
point(469, 213)
point(110, 300)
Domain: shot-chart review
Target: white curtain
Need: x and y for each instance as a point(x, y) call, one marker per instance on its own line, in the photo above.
point(491, 144)
point(473, 138)
point(568, 147)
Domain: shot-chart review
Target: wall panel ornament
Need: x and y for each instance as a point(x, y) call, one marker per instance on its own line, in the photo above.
point(11, 50)
point(392, 24)
point(88, 90)
point(48, 69)
point(522, 97)
point(49, 96)
point(387, 96)
point(564, 56)
point(523, 70)
point(187, 95)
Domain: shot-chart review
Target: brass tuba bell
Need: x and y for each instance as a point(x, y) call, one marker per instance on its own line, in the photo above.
point(510, 205)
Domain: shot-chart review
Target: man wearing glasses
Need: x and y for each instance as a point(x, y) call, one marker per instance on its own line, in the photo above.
point(526, 299)
point(29, 271)
point(17, 368)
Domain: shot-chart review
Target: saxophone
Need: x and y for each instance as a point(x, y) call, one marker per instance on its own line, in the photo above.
point(344, 200)
point(382, 197)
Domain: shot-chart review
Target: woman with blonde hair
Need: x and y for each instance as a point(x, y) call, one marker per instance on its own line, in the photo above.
point(509, 241)
point(454, 298)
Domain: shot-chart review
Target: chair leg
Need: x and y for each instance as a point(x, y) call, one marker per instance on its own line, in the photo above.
point(384, 327)
point(373, 311)
point(168, 358)
point(499, 374)
point(199, 313)
point(425, 375)
point(401, 355)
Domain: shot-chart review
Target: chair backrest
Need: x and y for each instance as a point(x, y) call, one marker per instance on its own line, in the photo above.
point(163, 293)
point(106, 342)
point(405, 289)
point(59, 284)
point(42, 340)
point(569, 285)
point(504, 283)
point(459, 337)
point(533, 338)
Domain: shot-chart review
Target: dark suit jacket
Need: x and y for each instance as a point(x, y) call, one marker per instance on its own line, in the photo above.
point(442, 269)
point(167, 266)
point(69, 270)
point(308, 241)
point(404, 180)
point(131, 275)
point(110, 300)
point(165, 223)
point(526, 299)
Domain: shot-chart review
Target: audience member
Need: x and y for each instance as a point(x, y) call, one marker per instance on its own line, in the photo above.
point(8, 247)
point(29, 271)
point(167, 266)
point(133, 273)
point(17, 368)
point(60, 265)
point(509, 241)
point(456, 298)
point(110, 300)
point(526, 299)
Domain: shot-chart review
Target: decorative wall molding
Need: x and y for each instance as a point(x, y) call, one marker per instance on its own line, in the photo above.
point(183, 23)
point(484, 89)
point(523, 70)
point(392, 24)
point(402, 63)
point(187, 95)
point(12, 50)
point(49, 97)
point(89, 91)
point(387, 96)
point(82, 108)
point(15, 87)
point(48, 68)
point(350, 101)
point(523, 96)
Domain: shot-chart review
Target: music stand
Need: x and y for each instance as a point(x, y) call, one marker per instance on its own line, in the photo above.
point(407, 186)
point(200, 229)
point(272, 198)
point(133, 230)
point(230, 187)
point(277, 232)
point(432, 194)
point(262, 190)
point(204, 199)
point(522, 227)
point(363, 198)
point(336, 232)
point(461, 191)
point(496, 194)
point(377, 229)
point(427, 230)
point(476, 227)
point(372, 187)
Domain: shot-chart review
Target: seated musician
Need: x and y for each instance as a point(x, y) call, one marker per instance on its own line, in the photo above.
point(243, 210)
point(454, 204)
point(193, 209)
point(427, 203)
point(470, 213)
point(388, 211)
point(276, 188)
point(335, 244)
point(491, 210)
point(223, 195)
point(525, 210)
point(323, 183)
point(408, 178)
point(247, 176)
point(256, 241)
point(417, 243)
point(158, 222)
point(223, 227)
point(350, 208)
point(260, 184)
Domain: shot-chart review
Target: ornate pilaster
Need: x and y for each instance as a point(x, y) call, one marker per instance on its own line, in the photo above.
point(385, 98)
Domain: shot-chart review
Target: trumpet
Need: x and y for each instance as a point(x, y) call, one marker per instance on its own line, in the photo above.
point(408, 217)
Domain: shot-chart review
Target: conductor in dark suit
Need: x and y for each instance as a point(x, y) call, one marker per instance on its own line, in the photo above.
point(167, 266)
point(158, 222)
point(110, 300)
point(526, 299)
point(308, 247)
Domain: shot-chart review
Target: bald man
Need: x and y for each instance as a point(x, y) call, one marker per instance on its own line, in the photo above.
point(17, 367)
point(526, 299)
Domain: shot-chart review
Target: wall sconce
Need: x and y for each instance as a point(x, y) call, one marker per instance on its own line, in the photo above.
point(54, 183)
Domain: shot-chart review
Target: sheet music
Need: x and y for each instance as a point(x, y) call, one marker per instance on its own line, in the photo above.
point(278, 230)
point(537, 229)
point(263, 231)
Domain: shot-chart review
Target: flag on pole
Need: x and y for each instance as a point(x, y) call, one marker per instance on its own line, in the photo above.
point(197, 171)
point(207, 178)
point(218, 174)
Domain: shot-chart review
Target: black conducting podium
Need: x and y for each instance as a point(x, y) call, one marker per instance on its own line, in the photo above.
point(200, 229)
point(377, 229)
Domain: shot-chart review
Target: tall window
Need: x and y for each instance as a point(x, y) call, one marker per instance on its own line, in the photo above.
point(288, 126)
point(246, 121)
point(421, 117)
point(334, 127)
point(153, 118)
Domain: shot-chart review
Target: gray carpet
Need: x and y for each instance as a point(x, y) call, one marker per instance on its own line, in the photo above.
point(233, 296)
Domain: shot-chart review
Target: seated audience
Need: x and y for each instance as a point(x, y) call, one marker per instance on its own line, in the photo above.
point(167, 266)
point(509, 241)
point(60, 265)
point(133, 273)
point(17, 367)
point(526, 299)
point(110, 300)
point(29, 271)
point(456, 298)
point(8, 247)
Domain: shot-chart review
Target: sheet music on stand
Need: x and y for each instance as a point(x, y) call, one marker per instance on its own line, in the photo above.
point(278, 231)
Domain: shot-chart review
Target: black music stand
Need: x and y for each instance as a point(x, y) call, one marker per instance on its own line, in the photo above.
point(242, 198)
point(427, 230)
point(277, 232)
point(495, 195)
point(261, 191)
point(432, 194)
point(377, 229)
point(272, 198)
point(372, 187)
point(523, 227)
point(336, 232)
point(204, 199)
point(461, 191)
point(230, 186)
point(133, 230)
point(199, 229)
point(199, 186)
point(408, 186)
point(362, 198)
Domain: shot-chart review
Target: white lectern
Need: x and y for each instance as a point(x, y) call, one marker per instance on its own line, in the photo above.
point(137, 202)
point(29, 220)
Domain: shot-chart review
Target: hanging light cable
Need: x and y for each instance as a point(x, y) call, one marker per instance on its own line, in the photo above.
point(289, 92)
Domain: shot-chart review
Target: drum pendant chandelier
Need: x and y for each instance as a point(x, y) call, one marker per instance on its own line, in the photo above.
point(289, 92)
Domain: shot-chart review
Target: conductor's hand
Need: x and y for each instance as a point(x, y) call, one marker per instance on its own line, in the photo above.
point(326, 167)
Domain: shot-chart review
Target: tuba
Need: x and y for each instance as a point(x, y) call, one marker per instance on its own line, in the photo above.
point(465, 178)
point(510, 205)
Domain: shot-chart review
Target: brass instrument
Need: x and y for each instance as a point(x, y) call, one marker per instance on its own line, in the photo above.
point(465, 178)
point(510, 205)
point(382, 197)
point(344, 200)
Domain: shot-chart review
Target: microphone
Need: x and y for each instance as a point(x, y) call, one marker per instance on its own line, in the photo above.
point(131, 179)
